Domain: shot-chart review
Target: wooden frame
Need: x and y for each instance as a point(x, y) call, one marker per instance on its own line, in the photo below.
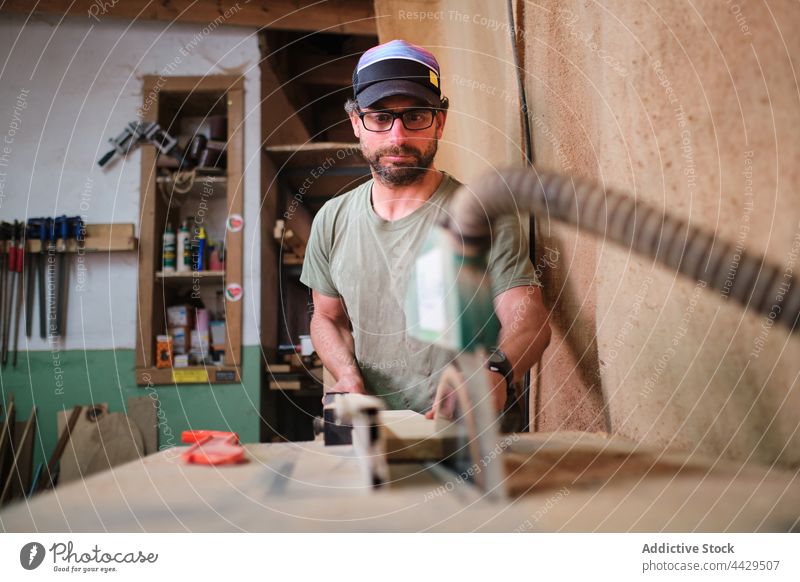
point(341, 16)
point(150, 301)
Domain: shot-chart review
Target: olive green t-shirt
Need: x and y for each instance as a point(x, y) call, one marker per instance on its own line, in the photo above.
point(365, 260)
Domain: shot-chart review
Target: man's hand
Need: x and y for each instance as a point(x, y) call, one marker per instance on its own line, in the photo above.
point(349, 382)
point(444, 402)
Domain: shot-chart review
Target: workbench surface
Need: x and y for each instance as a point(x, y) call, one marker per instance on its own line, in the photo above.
point(308, 487)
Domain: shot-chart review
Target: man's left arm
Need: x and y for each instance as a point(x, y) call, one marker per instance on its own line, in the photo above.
point(524, 334)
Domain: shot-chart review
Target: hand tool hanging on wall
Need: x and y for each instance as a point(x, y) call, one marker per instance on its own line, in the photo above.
point(139, 132)
point(5, 237)
point(21, 240)
point(29, 273)
point(44, 227)
point(60, 288)
point(19, 250)
point(49, 283)
point(67, 228)
point(10, 295)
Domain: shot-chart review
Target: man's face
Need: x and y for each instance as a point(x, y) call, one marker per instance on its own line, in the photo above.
point(399, 156)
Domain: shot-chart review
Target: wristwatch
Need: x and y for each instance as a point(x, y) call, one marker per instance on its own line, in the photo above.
point(498, 362)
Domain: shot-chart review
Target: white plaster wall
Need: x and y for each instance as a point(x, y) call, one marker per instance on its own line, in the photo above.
point(79, 84)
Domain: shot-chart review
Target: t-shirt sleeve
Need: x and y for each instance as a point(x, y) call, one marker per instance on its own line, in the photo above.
point(316, 272)
point(509, 259)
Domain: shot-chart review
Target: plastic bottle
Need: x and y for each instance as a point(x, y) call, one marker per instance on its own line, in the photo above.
point(168, 254)
point(184, 254)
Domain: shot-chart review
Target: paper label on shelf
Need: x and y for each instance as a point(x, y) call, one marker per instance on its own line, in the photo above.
point(233, 292)
point(190, 376)
point(235, 222)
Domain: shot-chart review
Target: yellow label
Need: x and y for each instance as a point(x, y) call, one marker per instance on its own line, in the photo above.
point(190, 376)
point(434, 79)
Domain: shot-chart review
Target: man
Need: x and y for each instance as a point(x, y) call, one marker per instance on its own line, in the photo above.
point(364, 243)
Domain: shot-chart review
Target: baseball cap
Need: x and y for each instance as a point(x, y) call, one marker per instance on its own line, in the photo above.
point(397, 68)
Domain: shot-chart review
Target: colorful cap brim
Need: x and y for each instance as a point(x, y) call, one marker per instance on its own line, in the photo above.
point(393, 87)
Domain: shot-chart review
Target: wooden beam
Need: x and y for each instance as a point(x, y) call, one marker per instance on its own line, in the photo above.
point(280, 123)
point(324, 70)
point(338, 16)
point(55, 458)
point(15, 475)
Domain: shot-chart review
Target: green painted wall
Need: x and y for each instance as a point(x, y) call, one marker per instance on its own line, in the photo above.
point(55, 381)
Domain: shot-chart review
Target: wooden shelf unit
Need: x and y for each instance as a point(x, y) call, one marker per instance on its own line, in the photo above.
point(166, 100)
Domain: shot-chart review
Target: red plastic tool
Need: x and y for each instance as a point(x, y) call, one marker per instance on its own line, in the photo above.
point(212, 447)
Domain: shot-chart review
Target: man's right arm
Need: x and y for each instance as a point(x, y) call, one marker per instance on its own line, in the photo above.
point(333, 342)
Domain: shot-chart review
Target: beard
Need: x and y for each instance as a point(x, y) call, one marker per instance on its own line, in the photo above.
point(401, 174)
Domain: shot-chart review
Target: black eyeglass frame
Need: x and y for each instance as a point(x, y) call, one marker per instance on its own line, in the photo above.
point(399, 115)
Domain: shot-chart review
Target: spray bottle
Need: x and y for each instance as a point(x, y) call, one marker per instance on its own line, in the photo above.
point(184, 254)
point(168, 253)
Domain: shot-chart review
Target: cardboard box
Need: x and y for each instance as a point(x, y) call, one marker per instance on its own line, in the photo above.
point(181, 339)
point(217, 335)
point(180, 316)
point(199, 343)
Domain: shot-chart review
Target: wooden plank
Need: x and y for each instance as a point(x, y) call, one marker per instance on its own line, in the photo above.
point(270, 310)
point(100, 440)
point(234, 241)
point(142, 411)
point(324, 70)
point(339, 16)
point(149, 240)
point(165, 376)
point(546, 461)
point(278, 368)
point(16, 479)
point(75, 454)
point(192, 84)
point(280, 122)
point(191, 275)
point(412, 437)
point(21, 485)
point(100, 238)
point(6, 440)
point(281, 384)
point(46, 480)
point(309, 487)
point(119, 441)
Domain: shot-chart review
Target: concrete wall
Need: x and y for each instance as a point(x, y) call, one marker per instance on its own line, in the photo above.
point(692, 108)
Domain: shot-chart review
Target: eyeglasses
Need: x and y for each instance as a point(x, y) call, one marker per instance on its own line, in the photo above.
point(413, 119)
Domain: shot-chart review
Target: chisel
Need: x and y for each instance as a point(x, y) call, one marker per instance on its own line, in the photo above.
point(20, 250)
point(10, 286)
point(4, 236)
point(44, 227)
point(29, 274)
